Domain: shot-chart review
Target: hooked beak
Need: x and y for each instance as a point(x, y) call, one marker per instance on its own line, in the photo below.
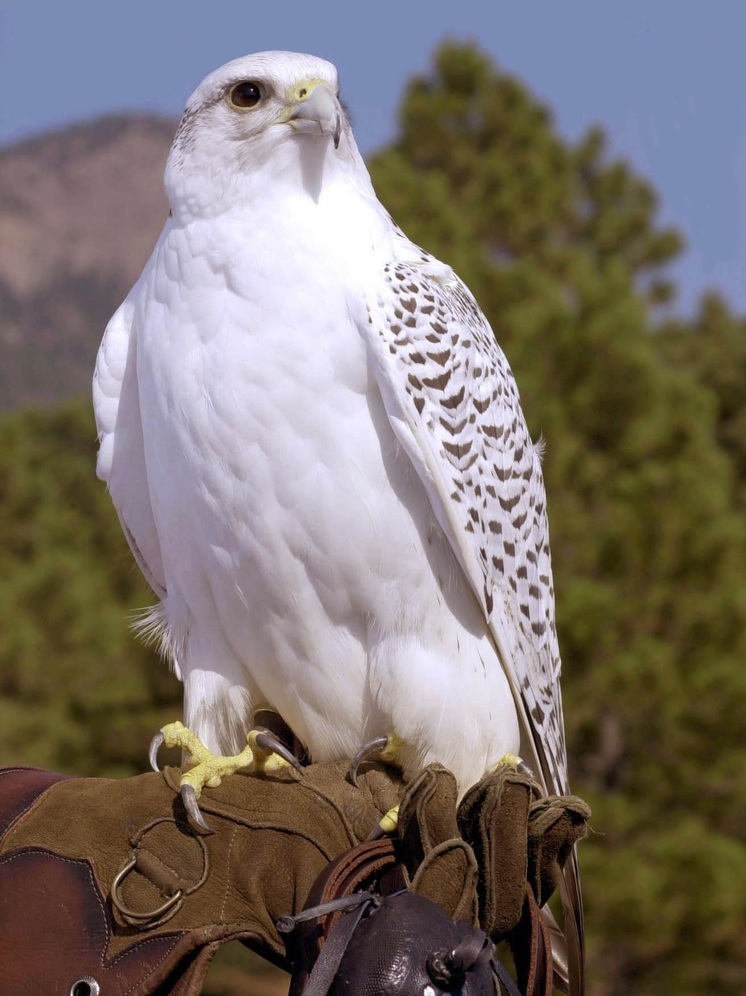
point(319, 113)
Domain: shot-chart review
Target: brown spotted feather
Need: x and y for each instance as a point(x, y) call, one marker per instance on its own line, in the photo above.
point(458, 414)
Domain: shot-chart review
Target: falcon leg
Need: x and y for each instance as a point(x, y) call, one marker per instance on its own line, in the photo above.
point(270, 753)
point(386, 750)
point(511, 761)
point(264, 753)
point(383, 749)
point(387, 824)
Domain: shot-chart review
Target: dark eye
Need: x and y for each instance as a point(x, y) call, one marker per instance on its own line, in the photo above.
point(245, 94)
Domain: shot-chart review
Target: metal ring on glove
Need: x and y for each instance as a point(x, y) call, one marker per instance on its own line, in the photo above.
point(155, 914)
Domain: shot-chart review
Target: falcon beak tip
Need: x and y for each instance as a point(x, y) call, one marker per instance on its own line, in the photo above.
point(319, 113)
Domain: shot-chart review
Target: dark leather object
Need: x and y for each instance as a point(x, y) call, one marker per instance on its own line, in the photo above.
point(379, 868)
point(373, 865)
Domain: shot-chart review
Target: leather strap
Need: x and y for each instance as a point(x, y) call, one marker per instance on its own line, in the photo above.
point(532, 950)
point(327, 964)
point(505, 980)
point(364, 865)
point(373, 865)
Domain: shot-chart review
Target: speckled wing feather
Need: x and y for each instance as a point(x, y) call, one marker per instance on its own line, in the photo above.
point(453, 403)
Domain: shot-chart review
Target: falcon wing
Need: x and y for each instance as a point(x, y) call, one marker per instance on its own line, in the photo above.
point(121, 455)
point(453, 404)
point(452, 401)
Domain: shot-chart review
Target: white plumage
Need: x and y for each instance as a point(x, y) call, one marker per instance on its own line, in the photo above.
point(317, 452)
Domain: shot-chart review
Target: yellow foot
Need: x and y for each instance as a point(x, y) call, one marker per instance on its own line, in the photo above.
point(386, 750)
point(263, 753)
point(390, 821)
point(509, 761)
point(516, 763)
point(269, 753)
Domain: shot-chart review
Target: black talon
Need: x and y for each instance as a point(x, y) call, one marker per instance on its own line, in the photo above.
point(366, 752)
point(155, 744)
point(189, 798)
point(269, 742)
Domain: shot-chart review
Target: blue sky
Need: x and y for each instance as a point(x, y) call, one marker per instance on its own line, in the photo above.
point(667, 80)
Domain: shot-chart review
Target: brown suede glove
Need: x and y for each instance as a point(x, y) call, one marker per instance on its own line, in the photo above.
point(442, 866)
point(517, 836)
point(68, 847)
point(555, 824)
point(105, 883)
point(493, 817)
point(522, 842)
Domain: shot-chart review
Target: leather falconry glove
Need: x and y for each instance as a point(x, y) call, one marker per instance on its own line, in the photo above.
point(106, 888)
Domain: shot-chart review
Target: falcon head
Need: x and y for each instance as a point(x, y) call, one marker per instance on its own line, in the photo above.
point(252, 112)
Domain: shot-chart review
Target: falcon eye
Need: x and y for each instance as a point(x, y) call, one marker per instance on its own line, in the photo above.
point(245, 94)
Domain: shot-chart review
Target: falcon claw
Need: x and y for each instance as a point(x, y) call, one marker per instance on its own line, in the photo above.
point(189, 798)
point(368, 751)
point(388, 824)
point(269, 743)
point(155, 744)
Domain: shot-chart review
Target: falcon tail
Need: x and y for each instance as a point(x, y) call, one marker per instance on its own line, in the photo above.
point(573, 921)
point(568, 942)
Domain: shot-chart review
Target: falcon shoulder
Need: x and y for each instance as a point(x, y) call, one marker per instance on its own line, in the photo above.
point(121, 458)
point(453, 404)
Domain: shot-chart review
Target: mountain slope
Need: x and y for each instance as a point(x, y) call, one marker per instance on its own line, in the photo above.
point(80, 210)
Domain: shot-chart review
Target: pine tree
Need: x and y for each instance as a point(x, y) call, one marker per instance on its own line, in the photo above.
point(713, 349)
point(77, 693)
point(560, 245)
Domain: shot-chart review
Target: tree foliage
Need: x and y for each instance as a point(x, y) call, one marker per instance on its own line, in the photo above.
point(645, 468)
point(644, 464)
point(76, 692)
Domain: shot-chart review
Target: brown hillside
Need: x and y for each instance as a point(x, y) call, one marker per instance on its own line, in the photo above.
point(80, 210)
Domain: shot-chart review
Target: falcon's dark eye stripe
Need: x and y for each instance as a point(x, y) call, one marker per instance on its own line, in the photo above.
point(246, 94)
